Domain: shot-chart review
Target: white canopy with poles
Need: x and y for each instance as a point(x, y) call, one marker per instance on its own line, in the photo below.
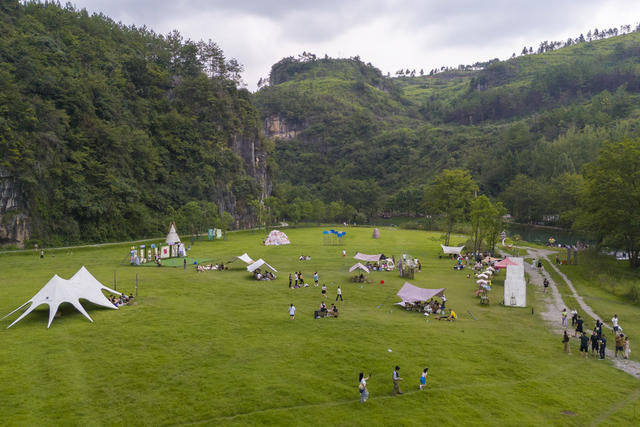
point(259, 263)
point(58, 291)
point(365, 257)
point(358, 266)
point(244, 257)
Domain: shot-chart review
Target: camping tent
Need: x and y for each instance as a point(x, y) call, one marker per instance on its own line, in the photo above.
point(410, 293)
point(360, 266)
point(365, 257)
point(244, 257)
point(259, 263)
point(452, 249)
point(515, 286)
point(172, 236)
point(58, 290)
point(276, 238)
point(376, 233)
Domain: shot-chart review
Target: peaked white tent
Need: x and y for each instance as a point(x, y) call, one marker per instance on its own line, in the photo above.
point(452, 249)
point(360, 266)
point(58, 290)
point(259, 263)
point(515, 287)
point(244, 257)
point(276, 238)
point(172, 236)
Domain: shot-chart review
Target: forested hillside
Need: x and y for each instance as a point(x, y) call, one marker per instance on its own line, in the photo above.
point(523, 128)
point(109, 132)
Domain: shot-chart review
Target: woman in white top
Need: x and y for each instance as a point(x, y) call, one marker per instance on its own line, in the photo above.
point(364, 392)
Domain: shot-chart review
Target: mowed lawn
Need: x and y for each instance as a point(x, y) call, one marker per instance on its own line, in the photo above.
point(218, 348)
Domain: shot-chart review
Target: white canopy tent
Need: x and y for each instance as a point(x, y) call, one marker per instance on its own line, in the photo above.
point(259, 263)
point(244, 257)
point(360, 266)
point(515, 286)
point(452, 249)
point(172, 236)
point(365, 257)
point(58, 291)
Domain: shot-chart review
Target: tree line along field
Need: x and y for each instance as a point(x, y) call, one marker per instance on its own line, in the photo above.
point(218, 348)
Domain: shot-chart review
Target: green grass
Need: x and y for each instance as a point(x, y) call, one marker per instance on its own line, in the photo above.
point(604, 284)
point(218, 348)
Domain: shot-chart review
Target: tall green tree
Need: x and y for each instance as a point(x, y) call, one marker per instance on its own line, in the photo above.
point(610, 204)
point(450, 195)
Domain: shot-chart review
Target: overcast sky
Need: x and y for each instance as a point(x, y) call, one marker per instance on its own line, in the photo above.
point(391, 34)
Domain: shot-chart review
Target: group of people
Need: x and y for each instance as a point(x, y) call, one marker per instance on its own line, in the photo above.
point(395, 378)
point(210, 267)
point(121, 300)
point(266, 275)
point(323, 311)
point(597, 341)
point(304, 258)
point(296, 280)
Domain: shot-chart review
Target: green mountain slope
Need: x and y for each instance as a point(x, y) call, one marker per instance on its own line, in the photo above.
point(107, 131)
point(524, 127)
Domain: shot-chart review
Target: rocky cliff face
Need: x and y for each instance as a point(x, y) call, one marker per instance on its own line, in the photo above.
point(276, 127)
point(14, 225)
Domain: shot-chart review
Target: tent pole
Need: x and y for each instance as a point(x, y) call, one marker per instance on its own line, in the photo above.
point(136, 285)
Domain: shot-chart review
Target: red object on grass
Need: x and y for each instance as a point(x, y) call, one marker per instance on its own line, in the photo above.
point(382, 282)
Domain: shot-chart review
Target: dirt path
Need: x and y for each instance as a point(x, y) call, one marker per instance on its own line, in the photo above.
point(554, 306)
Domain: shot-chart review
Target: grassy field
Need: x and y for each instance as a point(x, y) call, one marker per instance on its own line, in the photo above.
point(218, 348)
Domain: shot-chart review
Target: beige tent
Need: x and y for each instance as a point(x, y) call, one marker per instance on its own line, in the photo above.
point(358, 266)
point(365, 257)
point(452, 249)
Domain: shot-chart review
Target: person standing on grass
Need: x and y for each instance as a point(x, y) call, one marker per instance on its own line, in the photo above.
point(565, 341)
point(339, 294)
point(614, 323)
point(315, 278)
point(324, 291)
point(290, 279)
point(423, 378)
point(584, 344)
point(362, 387)
point(185, 264)
point(594, 341)
point(300, 279)
point(574, 317)
point(396, 381)
point(295, 276)
point(602, 345)
point(579, 328)
point(292, 312)
point(564, 318)
point(545, 283)
point(599, 327)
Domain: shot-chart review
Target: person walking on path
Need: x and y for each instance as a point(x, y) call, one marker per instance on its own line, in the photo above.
point(619, 345)
point(339, 294)
point(362, 387)
point(315, 278)
point(292, 312)
point(423, 378)
point(594, 341)
point(546, 284)
point(602, 345)
point(627, 349)
point(290, 279)
point(564, 317)
point(584, 345)
point(324, 291)
point(579, 324)
point(565, 341)
point(599, 327)
point(396, 382)
point(614, 323)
